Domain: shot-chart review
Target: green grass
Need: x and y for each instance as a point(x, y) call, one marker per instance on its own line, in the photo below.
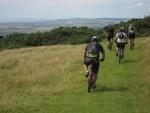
point(51, 79)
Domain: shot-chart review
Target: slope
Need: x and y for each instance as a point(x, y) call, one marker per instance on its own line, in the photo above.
point(50, 79)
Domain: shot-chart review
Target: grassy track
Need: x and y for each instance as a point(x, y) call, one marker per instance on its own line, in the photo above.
point(51, 80)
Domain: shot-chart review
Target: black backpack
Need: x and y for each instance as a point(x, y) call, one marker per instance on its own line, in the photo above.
point(93, 50)
point(121, 36)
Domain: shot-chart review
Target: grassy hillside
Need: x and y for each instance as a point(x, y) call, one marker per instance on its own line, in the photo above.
point(50, 79)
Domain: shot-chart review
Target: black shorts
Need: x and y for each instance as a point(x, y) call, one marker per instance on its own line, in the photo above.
point(94, 63)
point(121, 45)
point(131, 35)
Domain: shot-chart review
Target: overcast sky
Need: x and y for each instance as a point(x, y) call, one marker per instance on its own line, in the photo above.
point(58, 9)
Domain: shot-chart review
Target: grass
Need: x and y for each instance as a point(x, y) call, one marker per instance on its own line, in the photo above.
point(50, 79)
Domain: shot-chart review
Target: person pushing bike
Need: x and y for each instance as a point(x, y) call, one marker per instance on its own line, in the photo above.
point(92, 57)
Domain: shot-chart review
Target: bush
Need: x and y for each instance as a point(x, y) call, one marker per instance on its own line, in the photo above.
point(61, 35)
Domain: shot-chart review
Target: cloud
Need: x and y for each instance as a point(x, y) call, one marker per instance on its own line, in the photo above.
point(55, 2)
point(73, 8)
point(139, 4)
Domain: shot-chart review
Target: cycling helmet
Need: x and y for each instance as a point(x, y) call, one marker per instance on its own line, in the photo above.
point(94, 39)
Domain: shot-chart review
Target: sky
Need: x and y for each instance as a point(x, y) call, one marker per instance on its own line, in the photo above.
point(62, 9)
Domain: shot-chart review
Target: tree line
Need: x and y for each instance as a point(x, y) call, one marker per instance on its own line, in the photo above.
point(68, 35)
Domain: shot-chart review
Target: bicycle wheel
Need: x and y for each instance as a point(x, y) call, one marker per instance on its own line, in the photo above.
point(120, 56)
point(90, 82)
point(120, 59)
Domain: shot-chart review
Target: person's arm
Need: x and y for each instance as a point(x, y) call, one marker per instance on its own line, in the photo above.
point(129, 30)
point(84, 55)
point(85, 52)
point(126, 38)
point(116, 37)
point(135, 29)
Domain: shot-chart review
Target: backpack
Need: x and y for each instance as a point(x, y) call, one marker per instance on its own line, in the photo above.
point(92, 50)
point(121, 36)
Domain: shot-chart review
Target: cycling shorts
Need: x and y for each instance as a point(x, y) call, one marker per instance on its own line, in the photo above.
point(121, 45)
point(131, 35)
point(94, 64)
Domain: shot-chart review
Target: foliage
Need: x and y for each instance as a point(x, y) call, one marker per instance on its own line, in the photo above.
point(68, 35)
point(142, 25)
point(61, 35)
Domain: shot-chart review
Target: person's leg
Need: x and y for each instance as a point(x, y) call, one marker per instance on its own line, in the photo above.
point(87, 62)
point(112, 41)
point(108, 41)
point(86, 68)
point(117, 49)
point(130, 39)
point(133, 39)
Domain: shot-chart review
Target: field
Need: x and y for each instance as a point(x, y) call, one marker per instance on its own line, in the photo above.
point(51, 79)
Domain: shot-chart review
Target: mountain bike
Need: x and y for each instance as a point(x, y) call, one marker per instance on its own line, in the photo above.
point(120, 54)
point(91, 81)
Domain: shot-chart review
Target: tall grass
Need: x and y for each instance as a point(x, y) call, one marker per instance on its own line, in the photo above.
point(50, 79)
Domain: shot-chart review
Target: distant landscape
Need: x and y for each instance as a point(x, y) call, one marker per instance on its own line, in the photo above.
point(26, 26)
point(74, 31)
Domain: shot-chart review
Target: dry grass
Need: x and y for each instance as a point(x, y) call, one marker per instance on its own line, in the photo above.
point(43, 78)
point(144, 81)
point(38, 67)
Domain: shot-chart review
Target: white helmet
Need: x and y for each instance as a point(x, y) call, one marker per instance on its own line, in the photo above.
point(94, 38)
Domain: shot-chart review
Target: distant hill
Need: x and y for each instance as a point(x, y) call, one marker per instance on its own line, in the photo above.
point(46, 25)
point(66, 34)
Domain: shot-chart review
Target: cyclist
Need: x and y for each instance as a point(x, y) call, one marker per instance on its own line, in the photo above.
point(92, 57)
point(123, 29)
point(121, 40)
point(110, 34)
point(131, 34)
